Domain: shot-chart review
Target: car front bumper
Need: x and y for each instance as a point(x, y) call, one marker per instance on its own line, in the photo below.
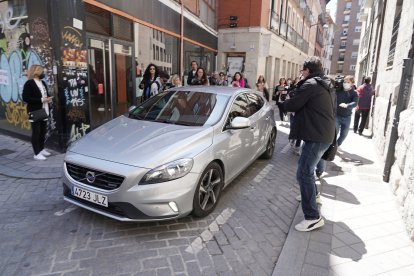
point(130, 201)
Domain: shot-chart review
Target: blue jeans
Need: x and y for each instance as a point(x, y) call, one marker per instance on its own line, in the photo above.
point(321, 166)
point(342, 127)
point(311, 154)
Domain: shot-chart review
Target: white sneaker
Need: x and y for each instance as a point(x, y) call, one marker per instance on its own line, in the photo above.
point(310, 224)
point(45, 153)
point(39, 157)
point(318, 198)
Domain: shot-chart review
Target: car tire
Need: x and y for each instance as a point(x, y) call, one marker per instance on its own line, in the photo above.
point(270, 146)
point(208, 190)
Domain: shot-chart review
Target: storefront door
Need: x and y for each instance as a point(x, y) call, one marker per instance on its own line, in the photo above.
point(111, 79)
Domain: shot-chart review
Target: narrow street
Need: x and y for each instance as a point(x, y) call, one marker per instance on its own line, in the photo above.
point(43, 235)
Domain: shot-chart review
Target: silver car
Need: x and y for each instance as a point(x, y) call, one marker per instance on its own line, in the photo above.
point(171, 156)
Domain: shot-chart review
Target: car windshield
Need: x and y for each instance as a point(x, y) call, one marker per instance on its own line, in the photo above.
point(190, 108)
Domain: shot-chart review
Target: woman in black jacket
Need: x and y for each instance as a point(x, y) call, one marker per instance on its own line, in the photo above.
point(150, 82)
point(36, 96)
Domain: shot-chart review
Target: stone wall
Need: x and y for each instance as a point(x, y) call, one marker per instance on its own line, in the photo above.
point(387, 86)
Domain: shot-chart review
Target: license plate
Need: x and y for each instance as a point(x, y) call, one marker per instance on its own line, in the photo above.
point(90, 196)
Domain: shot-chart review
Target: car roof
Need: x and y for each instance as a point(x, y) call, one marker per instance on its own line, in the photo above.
point(220, 90)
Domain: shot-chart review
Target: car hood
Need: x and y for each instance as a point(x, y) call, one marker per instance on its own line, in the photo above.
point(143, 143)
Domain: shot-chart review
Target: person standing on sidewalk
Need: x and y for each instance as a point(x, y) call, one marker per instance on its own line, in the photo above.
point(365, 93)
point(314, 107)
point(192, 73)
point(36, 96)
point(346, 99)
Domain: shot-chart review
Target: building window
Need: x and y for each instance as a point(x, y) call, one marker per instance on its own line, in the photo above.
point(348, 5)
point(340, 68)
point(355, 42)
point(344, 31)
point(394, 36)
point(352, 67)
point(346, 19)
point(354, 55)
point(341, 57)
point(358, 29)
point(343, 44)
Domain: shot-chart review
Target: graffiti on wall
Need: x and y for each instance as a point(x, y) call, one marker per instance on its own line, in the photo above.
point(75, 80)
point(17, 54)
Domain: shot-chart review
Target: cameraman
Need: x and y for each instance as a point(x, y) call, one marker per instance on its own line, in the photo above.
point(346, 100)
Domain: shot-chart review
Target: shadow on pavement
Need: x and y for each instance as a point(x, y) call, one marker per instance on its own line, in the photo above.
point(345, 243)
point(353, 158)
point(338, 193)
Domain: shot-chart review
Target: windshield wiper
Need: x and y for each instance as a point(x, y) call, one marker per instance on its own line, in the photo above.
point(167, 121)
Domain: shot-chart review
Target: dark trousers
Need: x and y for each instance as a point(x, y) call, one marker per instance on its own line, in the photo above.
point(38, 136)
point(308, 160)
point(363, 114)
point(281, 113)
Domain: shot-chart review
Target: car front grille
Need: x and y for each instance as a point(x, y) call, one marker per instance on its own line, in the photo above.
point(103, 180)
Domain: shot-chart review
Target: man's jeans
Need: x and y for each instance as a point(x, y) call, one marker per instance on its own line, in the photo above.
point(311, 154)
point(342, 128)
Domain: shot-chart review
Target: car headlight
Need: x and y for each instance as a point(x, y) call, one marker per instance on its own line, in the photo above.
point(167, 172)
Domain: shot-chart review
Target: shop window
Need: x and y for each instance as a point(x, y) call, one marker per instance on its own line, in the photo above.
point(97, 20)
point(122, 28)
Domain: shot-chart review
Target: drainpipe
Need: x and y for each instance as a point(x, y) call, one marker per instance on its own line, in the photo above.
point(182, 43)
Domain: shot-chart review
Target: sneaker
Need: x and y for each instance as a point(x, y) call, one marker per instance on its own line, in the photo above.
point(318, 198)
point(45, 153)
point(297, 150)
point(39, 157)
point(318, 174)
point(310, 224)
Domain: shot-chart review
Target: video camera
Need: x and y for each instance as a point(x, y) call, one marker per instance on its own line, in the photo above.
point(339, 81)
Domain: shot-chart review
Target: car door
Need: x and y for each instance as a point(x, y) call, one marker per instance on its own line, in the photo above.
point(236, 144)
point(258, 120)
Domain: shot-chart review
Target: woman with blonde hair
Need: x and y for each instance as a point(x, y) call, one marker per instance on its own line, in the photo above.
point(261, 86)
point(36, 96)
point(176, 81)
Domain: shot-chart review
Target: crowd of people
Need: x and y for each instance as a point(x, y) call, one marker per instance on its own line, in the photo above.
point(319, 109)
point(155, 80)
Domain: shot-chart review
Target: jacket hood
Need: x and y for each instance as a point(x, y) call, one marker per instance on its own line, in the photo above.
point(143, 143)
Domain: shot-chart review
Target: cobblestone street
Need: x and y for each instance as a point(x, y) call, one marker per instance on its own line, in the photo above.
point(43, 235)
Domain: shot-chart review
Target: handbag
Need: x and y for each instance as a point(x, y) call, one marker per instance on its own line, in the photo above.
point(329, 154)
point(38, 115)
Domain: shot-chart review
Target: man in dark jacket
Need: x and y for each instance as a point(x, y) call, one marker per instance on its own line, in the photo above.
point(314, 107)
point(192, 73)
point(365, 93)
point(346, 100)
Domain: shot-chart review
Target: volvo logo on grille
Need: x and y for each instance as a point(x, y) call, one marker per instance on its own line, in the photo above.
point(90, 176)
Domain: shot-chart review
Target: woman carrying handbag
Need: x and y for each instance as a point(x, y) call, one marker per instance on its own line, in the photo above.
point(37, 98)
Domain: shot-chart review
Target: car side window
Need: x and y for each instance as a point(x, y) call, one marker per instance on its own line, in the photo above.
point(255, 103)
point(238, 109)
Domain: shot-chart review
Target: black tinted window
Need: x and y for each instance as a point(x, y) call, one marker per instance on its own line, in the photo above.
point(255, 103)
point(238, 108)
point(177, 107)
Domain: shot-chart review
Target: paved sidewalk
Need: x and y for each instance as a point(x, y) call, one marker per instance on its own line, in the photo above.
point(363, 232)
point(17, 160)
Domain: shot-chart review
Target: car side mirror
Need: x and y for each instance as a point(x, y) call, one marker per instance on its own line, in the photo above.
point(239, 123)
